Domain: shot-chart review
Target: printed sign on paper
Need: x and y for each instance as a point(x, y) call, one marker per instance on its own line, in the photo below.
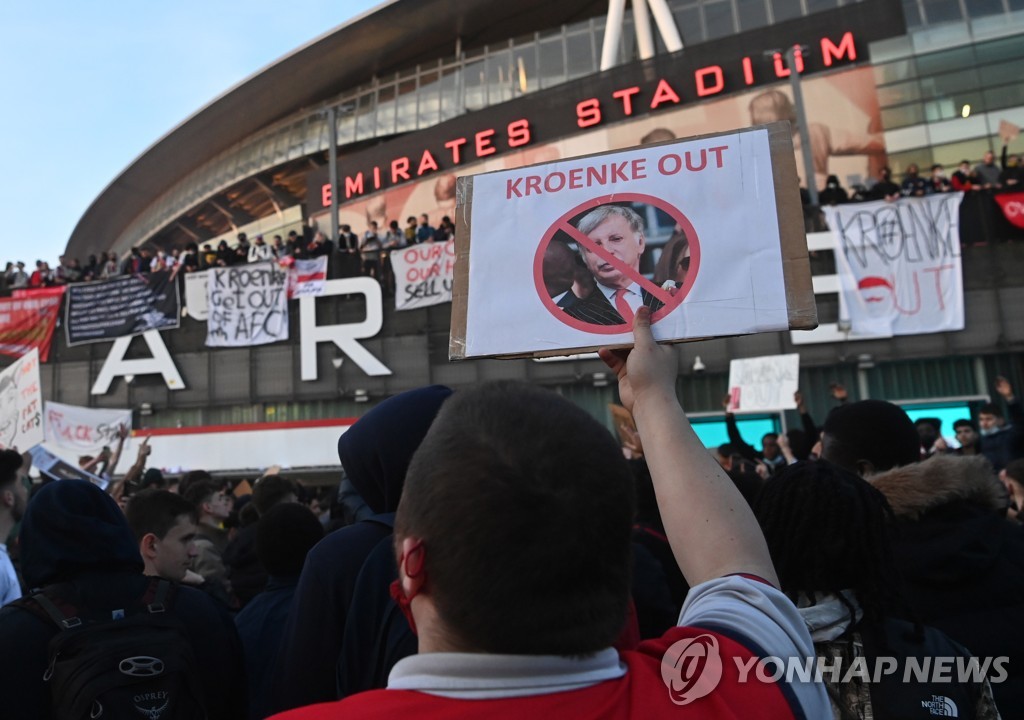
point(85, 430)
point(561, 256)
point(899, 265)
point(423, 274)
point(763, 383)
point(307, 277)
point(196, 284)
point(21, 404)
point(248, 305)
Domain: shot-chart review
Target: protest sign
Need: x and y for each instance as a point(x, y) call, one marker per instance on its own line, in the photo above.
point(1012, 205)
point(85, 430)
point(306, 277)
point(899, 265)
point(121, 306)
point(27, 321)
point(423, 274)
point(21, 404)
point(708, 233)
point(763, 383)
point(248, 305)
point(195, 294)
point(58, 469)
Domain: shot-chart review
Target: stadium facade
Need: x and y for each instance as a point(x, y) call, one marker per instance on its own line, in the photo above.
point(423, 90)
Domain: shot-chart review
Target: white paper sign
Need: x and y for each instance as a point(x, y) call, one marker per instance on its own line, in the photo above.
point(423, 274)
point(85, 430)
point(306, 277)
point(21, 404)
point(763, 383)
point(899, 265)
point(248, 305)
point(59, 469)
point(195, 294)
point(547, 254)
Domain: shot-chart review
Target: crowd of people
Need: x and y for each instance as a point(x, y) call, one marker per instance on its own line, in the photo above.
point(495, 552)
point(366, 254)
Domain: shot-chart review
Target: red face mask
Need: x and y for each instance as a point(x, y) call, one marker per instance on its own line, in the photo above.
point(413, 562)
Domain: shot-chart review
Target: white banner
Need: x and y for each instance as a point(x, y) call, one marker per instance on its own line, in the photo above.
point(85, 430)
point(195, 294)
point(21, 404)
point(248, 305)
point(763, 383)
point(307, 277)
point(899, 265)
point(423, 274)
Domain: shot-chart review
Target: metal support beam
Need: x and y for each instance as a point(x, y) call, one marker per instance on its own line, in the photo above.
point(612, 34)
point(801, 121)
point(332, 170)
point(644, 36)
point(666, 25)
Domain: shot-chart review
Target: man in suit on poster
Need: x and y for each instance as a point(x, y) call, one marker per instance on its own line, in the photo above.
point(619, 231)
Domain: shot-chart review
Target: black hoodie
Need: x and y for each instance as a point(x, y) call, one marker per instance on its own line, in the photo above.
point(74, 534)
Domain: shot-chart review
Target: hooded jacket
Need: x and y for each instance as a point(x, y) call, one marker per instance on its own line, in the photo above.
point(74, 534)
point(961, 559)
point(375, 455)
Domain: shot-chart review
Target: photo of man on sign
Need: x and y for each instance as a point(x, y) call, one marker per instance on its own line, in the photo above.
point(592, 270)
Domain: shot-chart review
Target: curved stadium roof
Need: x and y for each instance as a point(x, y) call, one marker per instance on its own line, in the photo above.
point(393, 36)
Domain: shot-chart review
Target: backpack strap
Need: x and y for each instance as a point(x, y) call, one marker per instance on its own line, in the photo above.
point(158, 596)
point(59, 618)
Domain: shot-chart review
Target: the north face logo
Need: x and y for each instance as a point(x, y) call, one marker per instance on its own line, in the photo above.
point(940, 706)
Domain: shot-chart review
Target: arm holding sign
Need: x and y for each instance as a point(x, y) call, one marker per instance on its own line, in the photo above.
point(709, 525)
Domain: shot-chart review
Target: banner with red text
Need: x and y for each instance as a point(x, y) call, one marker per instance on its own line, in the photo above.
point(899, 265)
point(1013, 207)
point(85, 430)
point(27, 321)
point(21, 404)
point(307, 277)
point(423, 274)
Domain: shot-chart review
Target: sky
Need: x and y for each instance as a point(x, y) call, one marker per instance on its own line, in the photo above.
point(89, 86)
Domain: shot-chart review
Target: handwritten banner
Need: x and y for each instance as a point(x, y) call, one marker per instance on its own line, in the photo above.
point(195, 294)
point(763, 383)
point(27, 322)
point(21, 404)
point(306, 278)
point(899, 265)
point(248, 305)
point(423, 274)
point(122, 306)
point(86, 430)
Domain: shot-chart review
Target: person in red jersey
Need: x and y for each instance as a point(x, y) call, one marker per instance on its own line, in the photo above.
point(512, 542)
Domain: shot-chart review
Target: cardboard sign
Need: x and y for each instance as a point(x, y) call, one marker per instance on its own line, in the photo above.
point(764, 383)
point(248, 305)
point(57, 469)
point(423, 274)
point(21, 404)
point(85, 430)
point(556, 258)
point(899, 265)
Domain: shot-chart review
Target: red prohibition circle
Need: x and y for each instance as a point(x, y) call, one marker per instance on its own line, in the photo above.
point(616, 199)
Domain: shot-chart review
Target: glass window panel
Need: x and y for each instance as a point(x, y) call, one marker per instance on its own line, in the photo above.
point(527, 79)
point(899, 93)
point(474, 80)
point(951, 154)
point(1004, 97)
point(386, 109)
point(912, 13)
point(365, 122)
point(406, 106)
point(943, 85)
point(1016, 5)
point(1006, 72)
point(949, 108)
point(718, 19)
point(689, 23)
point(499, 77)
point(581, 55)
point(814, 6)
point(981, 8)
point(786, 9)
point(552, 63)
point(1000, 50)
point(940, 11)
point(430, 99)
point(346, 123)
point(902, 116)
point(752, 13)
point(898, 162)
point(895, 71)
point(449, 94)
point(953, 59)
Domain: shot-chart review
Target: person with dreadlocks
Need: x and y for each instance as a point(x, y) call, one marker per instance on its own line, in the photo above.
point(828, 534)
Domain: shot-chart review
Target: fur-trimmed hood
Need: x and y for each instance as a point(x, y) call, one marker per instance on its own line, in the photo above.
point(913, 490)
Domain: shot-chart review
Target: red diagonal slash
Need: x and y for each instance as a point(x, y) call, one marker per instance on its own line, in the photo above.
point(609, 258)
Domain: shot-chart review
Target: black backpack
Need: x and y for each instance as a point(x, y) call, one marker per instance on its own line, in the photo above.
point(131, 663)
